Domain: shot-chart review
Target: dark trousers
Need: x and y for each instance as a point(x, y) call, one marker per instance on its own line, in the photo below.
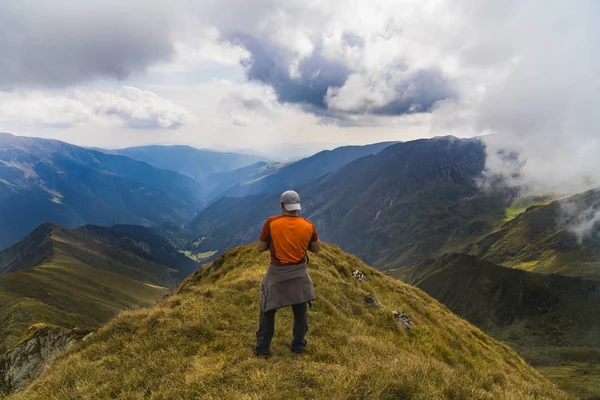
point(266, 329)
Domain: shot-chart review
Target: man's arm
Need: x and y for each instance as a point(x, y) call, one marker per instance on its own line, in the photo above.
point(262, 246)
point(264, 238)
point(314, 247)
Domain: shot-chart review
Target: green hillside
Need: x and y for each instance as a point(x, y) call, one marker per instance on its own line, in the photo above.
point(552, 321)
point(83, 277)
point(198, 344)
point(542, 239)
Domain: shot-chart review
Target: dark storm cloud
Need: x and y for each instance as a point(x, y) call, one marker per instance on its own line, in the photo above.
point(61, 43)
point(270, 63)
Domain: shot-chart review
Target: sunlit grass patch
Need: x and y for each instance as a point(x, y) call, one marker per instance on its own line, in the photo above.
point(521, 205)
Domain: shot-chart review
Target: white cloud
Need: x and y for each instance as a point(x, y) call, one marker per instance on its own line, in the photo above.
point(41, 109)
point(135, 108)
point(581, 219)
point(199, 45)
point(129, 107)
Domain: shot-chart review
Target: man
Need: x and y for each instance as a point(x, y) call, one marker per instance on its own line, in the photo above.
point(288, 236)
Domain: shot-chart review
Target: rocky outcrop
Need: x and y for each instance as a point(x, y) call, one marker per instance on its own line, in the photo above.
point(359, 276)
point(25, 361)
point(403, 320)
point(372, 301)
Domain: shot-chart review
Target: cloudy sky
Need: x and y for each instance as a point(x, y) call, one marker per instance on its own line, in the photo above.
point(265, 74)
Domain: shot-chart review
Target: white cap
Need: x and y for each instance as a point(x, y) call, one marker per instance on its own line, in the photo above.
point(291, 200)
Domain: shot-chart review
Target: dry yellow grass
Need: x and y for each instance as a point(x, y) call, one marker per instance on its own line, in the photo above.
point(198, 344)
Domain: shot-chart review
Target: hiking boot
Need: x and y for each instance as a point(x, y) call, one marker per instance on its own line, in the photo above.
point(262, 354)
point(299, 349)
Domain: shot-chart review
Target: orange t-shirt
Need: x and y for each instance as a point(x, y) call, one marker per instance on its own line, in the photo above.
point(288, 238)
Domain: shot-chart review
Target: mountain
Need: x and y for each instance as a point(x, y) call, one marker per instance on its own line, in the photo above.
point(51, 181)
point(303, 171)
point(82, 277)
point(544, 238)
point(398, 207)
point(198, 344)
point(194, 163)
point(218, 183)
point(495, 297)
point(551, 320)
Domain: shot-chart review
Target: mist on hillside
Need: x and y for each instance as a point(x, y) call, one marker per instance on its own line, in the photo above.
point(539, 116)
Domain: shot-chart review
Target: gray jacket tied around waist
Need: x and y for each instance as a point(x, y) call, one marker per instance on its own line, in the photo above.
point(285, 285)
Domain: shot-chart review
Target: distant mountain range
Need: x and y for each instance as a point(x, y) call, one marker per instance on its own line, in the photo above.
point(51, 181)
point(47, 180)
point(303, 171)
point(238, 175)
point(82, 277)
point(218, 184)
point(195, 163)
point(398, 207)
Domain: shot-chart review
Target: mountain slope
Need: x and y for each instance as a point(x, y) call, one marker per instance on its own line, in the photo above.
point(543, 239)
point(195, 163)
point(305, 170)
point(398, 207)
point(197, 344)
point(47, 180)
point(495, 297)
point(82, 277)
point(551, 320)
point(217, 183)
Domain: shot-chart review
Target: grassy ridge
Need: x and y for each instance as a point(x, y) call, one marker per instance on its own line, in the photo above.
point(540, 240)
point(66, 293)
point(83, 277)
point(198, 344)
